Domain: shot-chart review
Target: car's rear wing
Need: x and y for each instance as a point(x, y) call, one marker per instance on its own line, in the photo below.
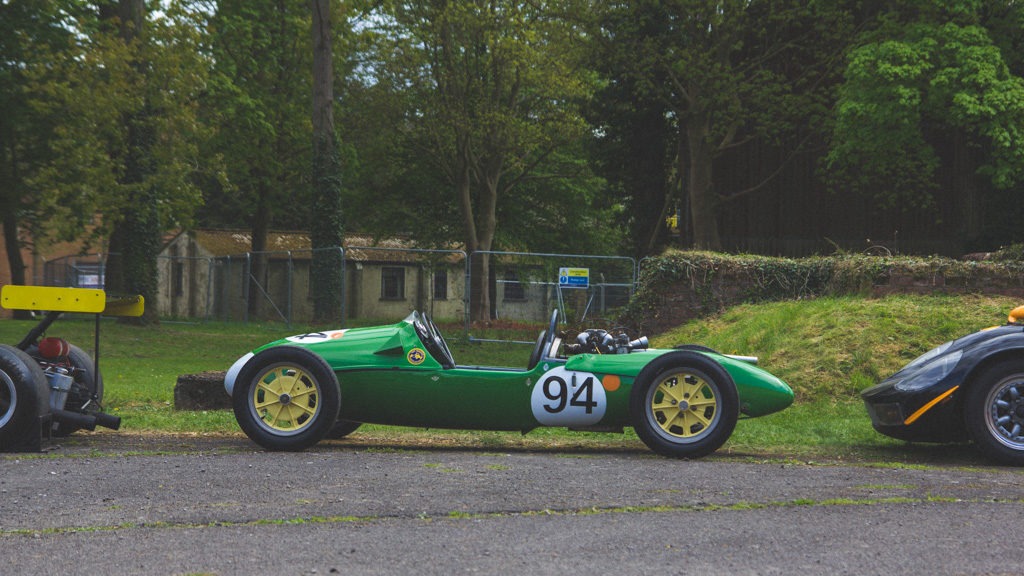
point(81, 300)
point(56, 301)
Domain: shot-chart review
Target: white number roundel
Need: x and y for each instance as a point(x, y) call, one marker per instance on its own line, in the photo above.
point(565, 398)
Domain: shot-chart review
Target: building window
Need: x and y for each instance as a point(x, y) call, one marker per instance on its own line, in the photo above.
point(441, 285)
point(513, 288)
point(178, 278)
point(392, 283)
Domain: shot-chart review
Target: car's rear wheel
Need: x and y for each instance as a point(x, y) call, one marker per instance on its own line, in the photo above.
point(286, 398)
point(684, 405)
point(994, 412)
point(24, 398)
point(86, 393)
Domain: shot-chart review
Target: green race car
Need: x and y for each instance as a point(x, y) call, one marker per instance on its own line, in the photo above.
point(683, 402)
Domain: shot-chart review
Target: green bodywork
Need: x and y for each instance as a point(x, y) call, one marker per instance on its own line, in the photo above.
point(387, 376)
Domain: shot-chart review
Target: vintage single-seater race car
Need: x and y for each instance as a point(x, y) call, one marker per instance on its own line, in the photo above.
point(968, 388)
point(682, 402)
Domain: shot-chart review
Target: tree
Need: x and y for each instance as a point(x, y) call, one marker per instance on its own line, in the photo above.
point(31, 36)
point(326, 217)
point(720, 75)
point(930, 88)
point(107, 129)
point(490, 93)
point(154, 157)
point(258, 102)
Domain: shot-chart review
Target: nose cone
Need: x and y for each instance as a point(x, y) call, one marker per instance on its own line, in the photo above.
point(760, 392)
point(770, 395)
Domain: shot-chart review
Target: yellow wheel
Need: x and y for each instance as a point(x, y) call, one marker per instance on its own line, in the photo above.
point(684, 405)
point(286, 398)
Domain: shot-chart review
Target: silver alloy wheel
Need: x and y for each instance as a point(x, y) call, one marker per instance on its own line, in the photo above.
point(8, 399)
point(1005, 406)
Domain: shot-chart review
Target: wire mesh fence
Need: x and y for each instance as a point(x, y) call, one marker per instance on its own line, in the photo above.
point(378, 284)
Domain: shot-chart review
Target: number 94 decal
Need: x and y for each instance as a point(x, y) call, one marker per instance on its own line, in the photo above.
point(565, 398)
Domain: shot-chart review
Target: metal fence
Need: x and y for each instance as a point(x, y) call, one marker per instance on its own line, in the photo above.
point(377, 283)
point(527, 286)
point(74, 271)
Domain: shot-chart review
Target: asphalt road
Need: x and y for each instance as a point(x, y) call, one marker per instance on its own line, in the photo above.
point(120, 504)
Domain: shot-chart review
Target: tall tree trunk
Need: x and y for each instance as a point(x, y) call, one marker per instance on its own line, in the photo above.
point(258, 260)
point(14, 259)
point(703, 203)
point(9, 199)
point(965, 179)
point(137, 236)
point(326, 220)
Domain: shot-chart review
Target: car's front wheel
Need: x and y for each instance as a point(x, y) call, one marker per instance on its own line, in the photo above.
point(684, 405)
point(286, 398)
point(994, 412)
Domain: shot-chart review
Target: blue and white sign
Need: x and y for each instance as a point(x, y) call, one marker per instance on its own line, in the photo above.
point(574, 277)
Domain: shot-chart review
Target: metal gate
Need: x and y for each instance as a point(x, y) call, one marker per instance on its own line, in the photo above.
point(523, 288)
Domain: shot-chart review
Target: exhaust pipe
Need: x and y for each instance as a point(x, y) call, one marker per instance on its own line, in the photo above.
point(108, 420)
point(87, 421)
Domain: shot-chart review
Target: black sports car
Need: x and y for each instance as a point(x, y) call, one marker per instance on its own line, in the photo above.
point(969, 388)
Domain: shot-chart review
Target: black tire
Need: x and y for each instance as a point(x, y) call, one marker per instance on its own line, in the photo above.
point(697, 348)
point(298, 417)
point(343, 428)
point(24, 399)
point(994, 412)
point(677, 426)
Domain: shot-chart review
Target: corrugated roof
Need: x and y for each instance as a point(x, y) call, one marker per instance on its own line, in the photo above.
point(358, 247)
point(232, 242)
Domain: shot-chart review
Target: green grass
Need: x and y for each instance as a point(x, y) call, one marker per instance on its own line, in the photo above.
point(832, 348)
point(828, 350)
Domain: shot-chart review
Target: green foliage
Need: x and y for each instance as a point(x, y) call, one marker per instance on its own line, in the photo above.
point(258, 104)
point(1011, 253)
point(754, 278)
point(679, 286)
point(83, 95)
point(920, 81)
point(464, 122)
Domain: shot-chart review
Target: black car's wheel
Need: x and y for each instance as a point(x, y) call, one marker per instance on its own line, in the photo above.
point(994, 412)
point(24, 398)
point(684, 405)
point(343, 428)
point(286, 398)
